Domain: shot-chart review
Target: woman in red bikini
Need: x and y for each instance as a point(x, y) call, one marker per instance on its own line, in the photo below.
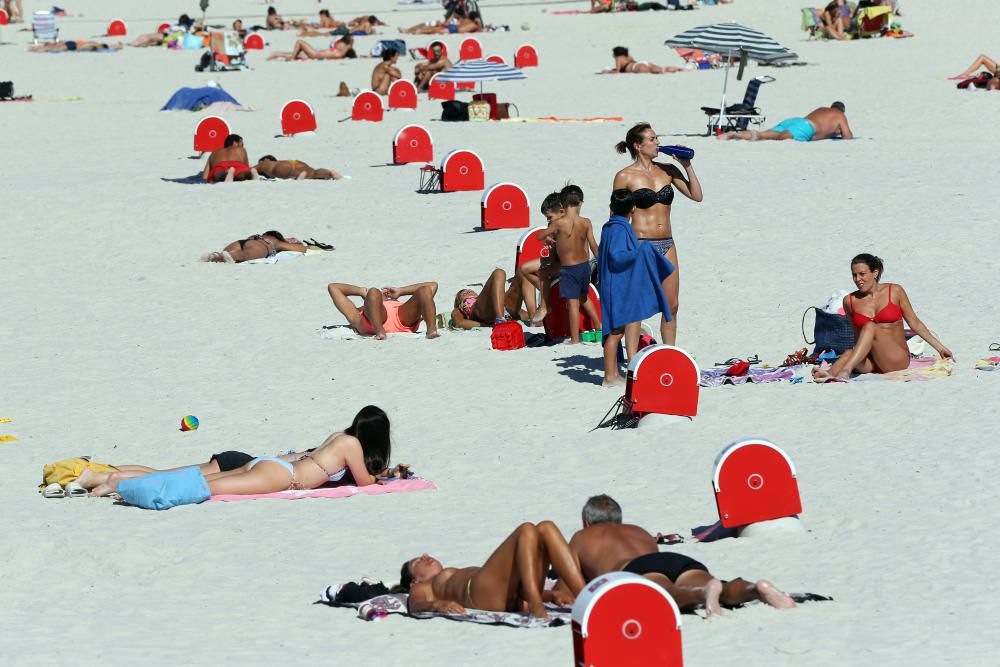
point(877, 312)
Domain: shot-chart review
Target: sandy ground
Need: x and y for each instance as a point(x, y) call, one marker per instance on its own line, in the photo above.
point(113, 330)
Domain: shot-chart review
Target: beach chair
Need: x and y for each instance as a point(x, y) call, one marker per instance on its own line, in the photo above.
point(699, 58)
point(755, 481)
point(117, 28)
point(228, 52)
point(471, 49)
point(739, 116)
point(811, 22)
point(43, 27)
point(873, 21)
point(297, 117)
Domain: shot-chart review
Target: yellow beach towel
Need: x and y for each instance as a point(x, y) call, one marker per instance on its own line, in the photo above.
point(65, 471)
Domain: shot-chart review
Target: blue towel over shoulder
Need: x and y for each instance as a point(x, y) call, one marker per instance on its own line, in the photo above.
point(632, 274)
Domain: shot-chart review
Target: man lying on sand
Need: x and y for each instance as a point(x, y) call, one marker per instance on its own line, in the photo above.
point(75, 45)
point(822, 123)
point(607, 545)
point(511, 580)
point(229, 163)
point(386, 72)
point(272, 167)
point(383, 313)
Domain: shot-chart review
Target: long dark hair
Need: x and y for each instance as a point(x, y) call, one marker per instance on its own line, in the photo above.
point(405, 579)
point(371, 428)
point(872, 262)
point(632, 137)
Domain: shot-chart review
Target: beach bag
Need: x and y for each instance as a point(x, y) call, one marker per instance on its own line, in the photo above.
point(163, 490)
point(6, 90)
point(479, 110)
point(453, 110)
point(503, 110)
point(830, 332)
point(384, 45)
point(507, 336)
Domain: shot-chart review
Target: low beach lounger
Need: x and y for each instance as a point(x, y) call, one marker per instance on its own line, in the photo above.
point(739, 116)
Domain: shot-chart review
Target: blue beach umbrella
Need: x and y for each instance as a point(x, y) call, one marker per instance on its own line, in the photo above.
point(480, 70)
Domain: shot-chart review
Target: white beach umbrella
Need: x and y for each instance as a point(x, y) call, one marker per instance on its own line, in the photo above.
point(729, 40)
point(480, 70)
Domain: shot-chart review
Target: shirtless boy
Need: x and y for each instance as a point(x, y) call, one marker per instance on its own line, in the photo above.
point(272, 167)
point(607, 545)
point(822, 123)
point(573, 235)
point(386, 72)
point(229, 163)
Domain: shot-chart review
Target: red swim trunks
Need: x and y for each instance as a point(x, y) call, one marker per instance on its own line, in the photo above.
point(223, 167)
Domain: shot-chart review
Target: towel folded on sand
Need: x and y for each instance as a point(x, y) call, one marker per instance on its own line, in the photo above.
point(342, 491)
point(716, 377)
point(396, 604)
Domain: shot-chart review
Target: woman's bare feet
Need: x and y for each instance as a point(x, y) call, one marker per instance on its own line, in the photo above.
point(617, 381)
point(712, 592)
point(433, 333)
point(538, 610)
point(539, 315)
point(772, 596)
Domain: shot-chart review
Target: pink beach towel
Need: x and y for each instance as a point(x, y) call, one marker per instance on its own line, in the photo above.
point(344, 491)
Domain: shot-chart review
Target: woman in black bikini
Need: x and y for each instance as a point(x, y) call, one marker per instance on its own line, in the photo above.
point(626, 64)
point(257, 246)
point(652, 185)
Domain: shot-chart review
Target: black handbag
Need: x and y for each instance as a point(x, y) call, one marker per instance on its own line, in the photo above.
point(830, 332)
point(453, 110)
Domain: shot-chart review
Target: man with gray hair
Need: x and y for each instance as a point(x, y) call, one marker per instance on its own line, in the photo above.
point(607, 545)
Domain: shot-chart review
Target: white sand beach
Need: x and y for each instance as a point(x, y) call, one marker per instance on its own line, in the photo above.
point(113, 331)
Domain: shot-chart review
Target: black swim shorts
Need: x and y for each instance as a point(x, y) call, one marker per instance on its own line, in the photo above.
point(231, 460)
point(668, 564)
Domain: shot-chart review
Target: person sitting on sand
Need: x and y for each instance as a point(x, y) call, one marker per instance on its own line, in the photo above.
point(75, 45)
point(876, 312)
point(626, 64)
point(274, 21)
point(437, 62)
point(383, 313)
point(822, 123)
point(479, 309)
point(340, 49)
point(511, 579)
point(605, 544)
point(272, 167)
point(363, 450)
point(257, 246)
point(835, 21)
point(229, 163)
point(386, 72)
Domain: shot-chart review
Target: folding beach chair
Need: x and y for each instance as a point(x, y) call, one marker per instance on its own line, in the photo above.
point(873, 21)
point(812, 22)
point(43, 27)
point(228, 52)
point(739, 116)
point(698, 58)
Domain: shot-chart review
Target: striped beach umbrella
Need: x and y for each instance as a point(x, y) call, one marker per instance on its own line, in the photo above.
point(731, 40)
point(480, 70)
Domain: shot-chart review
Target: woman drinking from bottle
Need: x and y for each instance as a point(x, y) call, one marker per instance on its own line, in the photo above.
point(652, 185)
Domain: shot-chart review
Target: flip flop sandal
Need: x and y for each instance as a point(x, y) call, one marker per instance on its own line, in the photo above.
point(74, 490)
point(994, 347)
point(753, 360)
point(728, 362)
point(316, 244)
point(54, 490)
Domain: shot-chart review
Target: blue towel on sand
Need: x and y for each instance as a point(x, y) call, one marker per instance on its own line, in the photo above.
point(163, 490)
point(192, 99)
point(632, 274)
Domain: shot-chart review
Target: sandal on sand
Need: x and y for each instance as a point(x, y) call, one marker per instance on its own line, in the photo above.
point(313, 243)
point(53, 490)
point(74, 490)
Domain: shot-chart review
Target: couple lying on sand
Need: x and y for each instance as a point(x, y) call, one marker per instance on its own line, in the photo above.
point(362, 451)
point(230, 163)
point(513, 577)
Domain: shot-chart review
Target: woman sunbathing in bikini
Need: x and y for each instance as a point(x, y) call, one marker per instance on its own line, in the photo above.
point(363, 450)
point(298, 170)
point(257, 246)
point(877, 312)
point(453, 27)
point(477, 309)
point(626, 64)
point(511, 580)
point(383, 313)
point(75, 45)
point(340, 49)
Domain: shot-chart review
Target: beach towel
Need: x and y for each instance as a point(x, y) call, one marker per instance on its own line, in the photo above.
point(282, 256)
point(631, 277)
point(396, 604)
point(920, 370)
point(988, 364)
point(554, 119)
point(195, 99)
point(716, 377)
point(341, 491)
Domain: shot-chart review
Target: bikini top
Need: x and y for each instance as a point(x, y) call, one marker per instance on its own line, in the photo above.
point(330, 476)
point(888, 315)
point(646, 197)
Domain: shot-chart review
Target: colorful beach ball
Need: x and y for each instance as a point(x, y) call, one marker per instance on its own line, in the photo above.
point(189, 423)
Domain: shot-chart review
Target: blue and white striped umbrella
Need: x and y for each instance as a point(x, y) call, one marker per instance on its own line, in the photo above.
point(732, 39)
point(480, 70)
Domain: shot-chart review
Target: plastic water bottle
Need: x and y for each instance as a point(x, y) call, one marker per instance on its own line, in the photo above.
point(368, 612)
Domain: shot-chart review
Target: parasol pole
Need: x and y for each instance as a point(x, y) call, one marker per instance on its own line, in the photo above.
point(725, 85)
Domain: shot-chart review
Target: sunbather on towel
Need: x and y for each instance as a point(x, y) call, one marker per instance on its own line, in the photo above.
point(877, 318)
point(272, 167)
point(607, 545)
point(383, 313)
point(75, 45)
point(340, 49)
point(229, 163)
point(626, 64)
point(986, 63)
point(454, 26)
point(489, 307)
point(822, 123)
point(510, 580)
point(257, 246)
point(363, 450)
point(436, 62)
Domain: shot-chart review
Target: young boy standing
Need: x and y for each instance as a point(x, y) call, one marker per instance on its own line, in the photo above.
point(631, 283)
point(572, 234)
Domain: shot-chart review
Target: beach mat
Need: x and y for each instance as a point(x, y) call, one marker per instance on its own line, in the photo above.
point(341, 491)
point(920, 369)
point(716, 377)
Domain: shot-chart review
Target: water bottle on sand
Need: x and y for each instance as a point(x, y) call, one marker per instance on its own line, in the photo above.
point(368, 612)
